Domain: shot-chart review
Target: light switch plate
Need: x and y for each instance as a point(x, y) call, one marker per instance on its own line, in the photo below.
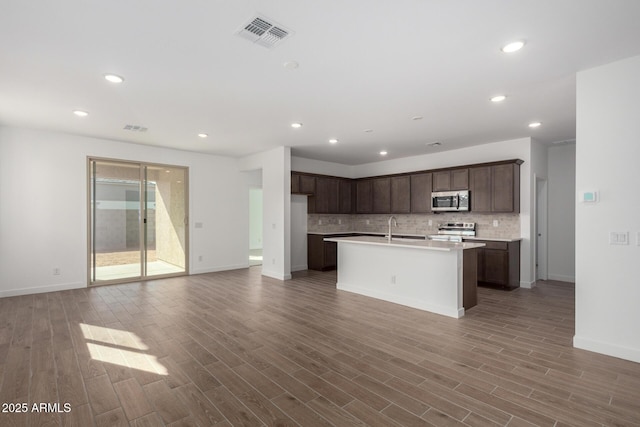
point(618, 238)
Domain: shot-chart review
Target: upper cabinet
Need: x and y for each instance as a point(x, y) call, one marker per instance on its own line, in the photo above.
point(448, 180)
point(302, 183)
point(495, 188)
point(421, 186)
point(364, 193)
point(401, 194)
point(381, 195)
point(326, 196)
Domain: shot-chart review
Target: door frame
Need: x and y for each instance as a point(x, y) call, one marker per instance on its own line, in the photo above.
point(541, 242)
point(142, 233)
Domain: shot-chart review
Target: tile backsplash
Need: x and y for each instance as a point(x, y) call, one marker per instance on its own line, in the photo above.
point(508, 225)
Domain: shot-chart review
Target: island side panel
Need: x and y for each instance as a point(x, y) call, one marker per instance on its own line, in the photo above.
point(429, 280)
point(470, 278)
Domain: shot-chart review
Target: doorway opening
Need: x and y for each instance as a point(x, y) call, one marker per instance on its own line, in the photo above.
point(255, 226)
point(137, 221)
point(541, 245)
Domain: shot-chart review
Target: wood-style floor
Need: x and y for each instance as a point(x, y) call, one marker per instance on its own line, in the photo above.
point(235, 348)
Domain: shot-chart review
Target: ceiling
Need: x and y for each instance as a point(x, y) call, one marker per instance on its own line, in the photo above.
point(363, 65)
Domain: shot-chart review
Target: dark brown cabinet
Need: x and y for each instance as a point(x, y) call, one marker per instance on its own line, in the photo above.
point(449, 180)
point(321, 255)
point(302, 183)
point(401, 194)
point(345, 196)
point(421, 186)
point(499, 264)
point(480, 189)
point(326, 195)
point(495, 188)
point(364, 196)
point(381, 195)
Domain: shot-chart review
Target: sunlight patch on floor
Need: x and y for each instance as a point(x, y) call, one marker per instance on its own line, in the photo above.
point(121, 348)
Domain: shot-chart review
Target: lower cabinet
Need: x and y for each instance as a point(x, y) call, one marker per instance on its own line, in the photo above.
point(321, 255)
point(499, 264)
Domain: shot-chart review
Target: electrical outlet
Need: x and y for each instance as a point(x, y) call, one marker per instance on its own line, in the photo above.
point(368, 222)
point(430, 223)
point(198, 225)
point(339, 222)
point(200, 258)
point(393, 279)
point(495, 223)
point(56, 271)
point(273, 260)
point(319, 222)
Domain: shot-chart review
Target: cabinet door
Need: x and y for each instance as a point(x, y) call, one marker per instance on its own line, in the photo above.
point(381, 195)
point(441, 181)
point(295, 183)
point(364, 193)
point(496, 266)
point(326, 195)
point(480, 187)
point(307, 184)
point(315, 252)
point(421, 185)
point(401, 194)
point(460, 179)
point(330, 255)
point(345, 196)
point(502, 188)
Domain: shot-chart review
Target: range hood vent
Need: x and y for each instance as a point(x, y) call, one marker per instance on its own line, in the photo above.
point(264, 32)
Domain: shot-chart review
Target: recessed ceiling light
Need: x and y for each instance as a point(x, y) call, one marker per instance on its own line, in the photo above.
point(417, 118)
point(513, 46)
point(435, 144)
point(333, 141)
point(368, 130)
point(291, 65)
point(80, 113)
point(535, 124)
point(498, 98)
point(296, 125)
point(383, 153)
point(203, 135)
point(114, 78)
point(167, 171)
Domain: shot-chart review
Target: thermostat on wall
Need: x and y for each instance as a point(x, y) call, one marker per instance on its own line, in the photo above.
point(589, 196)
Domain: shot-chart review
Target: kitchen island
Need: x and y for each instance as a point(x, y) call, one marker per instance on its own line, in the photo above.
point(440, 277)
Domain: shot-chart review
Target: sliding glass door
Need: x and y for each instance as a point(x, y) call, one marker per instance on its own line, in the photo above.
point(137, 221)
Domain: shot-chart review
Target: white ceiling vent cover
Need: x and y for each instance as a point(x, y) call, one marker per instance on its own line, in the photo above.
point(264, 32)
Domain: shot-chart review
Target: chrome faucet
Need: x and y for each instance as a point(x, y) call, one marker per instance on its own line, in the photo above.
point(392, 219)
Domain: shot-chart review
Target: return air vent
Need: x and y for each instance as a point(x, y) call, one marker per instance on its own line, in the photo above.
point(135, 128)
point(264, 32)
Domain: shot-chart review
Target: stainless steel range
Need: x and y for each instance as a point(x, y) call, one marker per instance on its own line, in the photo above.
point(454, 231)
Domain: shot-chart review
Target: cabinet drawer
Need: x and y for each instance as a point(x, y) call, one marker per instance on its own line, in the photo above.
point(501, 246)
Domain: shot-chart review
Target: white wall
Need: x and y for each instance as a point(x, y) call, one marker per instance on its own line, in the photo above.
point(43, 207)
point(562, 213)
point(607, 154)
point(276, 209)
point(300, 164)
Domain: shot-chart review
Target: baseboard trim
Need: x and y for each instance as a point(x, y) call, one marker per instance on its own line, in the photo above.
point(42, 289)
point(299, 267)
point(632, 354)
point(275, 275)
point(562, 278)
point(527, 285)
point(219, 268)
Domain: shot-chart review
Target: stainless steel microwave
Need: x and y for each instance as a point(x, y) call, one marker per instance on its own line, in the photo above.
point(443, 201)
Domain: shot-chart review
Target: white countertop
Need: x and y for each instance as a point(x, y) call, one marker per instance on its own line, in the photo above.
point(489, 239)
point(433, 245)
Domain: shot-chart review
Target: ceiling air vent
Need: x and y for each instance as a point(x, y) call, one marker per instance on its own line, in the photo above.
point(264, 32)
point(135, 128)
